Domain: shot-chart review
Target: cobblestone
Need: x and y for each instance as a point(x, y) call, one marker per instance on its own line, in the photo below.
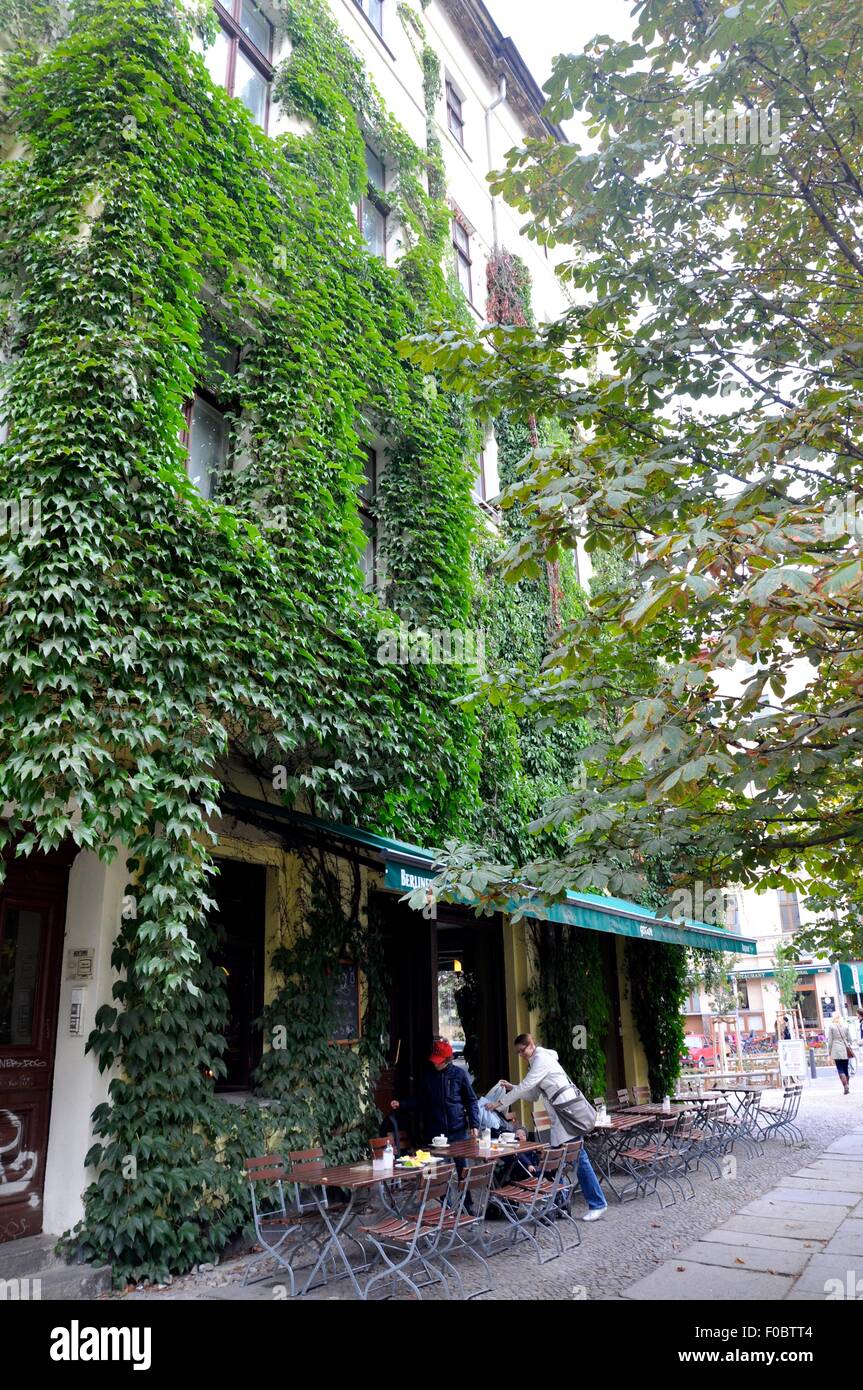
point(633, 1239)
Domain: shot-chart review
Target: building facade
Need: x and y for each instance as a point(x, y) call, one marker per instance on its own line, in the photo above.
point(771, 917)
point(175, 278)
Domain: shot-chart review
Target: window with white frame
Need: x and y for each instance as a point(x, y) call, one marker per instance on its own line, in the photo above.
point(732, 911)
point(374, 13)
point(372, 212)
point(240, 60)
point(479, 483)
point(789, 911)
point(463, 261)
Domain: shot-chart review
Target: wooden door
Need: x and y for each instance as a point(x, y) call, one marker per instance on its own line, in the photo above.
point(32, 914)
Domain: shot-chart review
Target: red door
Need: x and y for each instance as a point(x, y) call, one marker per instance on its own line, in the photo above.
point(32, 915)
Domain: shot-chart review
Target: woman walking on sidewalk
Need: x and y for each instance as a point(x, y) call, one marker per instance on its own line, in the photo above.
point(840, 1047)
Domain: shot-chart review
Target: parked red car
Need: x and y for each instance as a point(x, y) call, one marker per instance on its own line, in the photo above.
point(701, 1053)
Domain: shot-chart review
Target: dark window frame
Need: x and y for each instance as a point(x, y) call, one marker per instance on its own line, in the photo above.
point(203, 394)
point(238, 40)
point(463, 256)
point(365, 506)
point(454, 111)
point(226, 404)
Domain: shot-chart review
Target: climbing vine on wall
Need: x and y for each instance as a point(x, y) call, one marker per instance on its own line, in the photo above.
point(326, 1088)
point(524, 766)
point(568, 991)
point(152, 240)
point(149, 228)
point(658, 987)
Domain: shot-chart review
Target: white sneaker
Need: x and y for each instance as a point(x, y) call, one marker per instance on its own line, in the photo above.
point(595, 1214)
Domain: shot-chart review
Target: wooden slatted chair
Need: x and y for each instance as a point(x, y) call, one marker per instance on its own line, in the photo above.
point(378, 1146)
point(528, 1206)
point(410, 1243)
point(650, 1160)
point(281, 1227)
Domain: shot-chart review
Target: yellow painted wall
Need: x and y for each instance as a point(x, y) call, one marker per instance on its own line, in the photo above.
point(285, 896)
point(520, 1019)
point(634, 1059)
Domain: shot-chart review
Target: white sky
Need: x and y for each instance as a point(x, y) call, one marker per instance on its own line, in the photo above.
point(542, 28)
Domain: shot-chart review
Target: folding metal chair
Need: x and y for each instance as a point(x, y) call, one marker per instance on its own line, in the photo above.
point(463, 1226)
point(280, 1226)
point(528, 1205)
point(412, 1240)
point(781, 1121)
point(652, 1159)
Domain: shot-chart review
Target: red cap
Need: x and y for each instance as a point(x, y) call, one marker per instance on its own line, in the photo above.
point(441, 1052)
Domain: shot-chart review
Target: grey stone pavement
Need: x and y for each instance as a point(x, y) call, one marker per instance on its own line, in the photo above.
point(789, 1222)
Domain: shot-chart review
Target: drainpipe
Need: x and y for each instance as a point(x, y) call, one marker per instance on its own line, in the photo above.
point(499, 99)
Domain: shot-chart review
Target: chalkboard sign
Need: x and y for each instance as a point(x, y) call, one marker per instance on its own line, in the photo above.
point(346, 1004)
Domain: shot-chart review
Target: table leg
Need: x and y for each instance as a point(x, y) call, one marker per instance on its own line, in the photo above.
point(604, 1158)
point(334, 1242)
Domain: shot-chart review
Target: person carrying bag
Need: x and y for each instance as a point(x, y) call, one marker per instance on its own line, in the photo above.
point(571, 1115)
point(840, 1048)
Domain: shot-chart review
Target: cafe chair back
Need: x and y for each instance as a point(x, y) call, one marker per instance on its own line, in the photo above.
point(408, 1245)
point(281, 1227)
point(530, 1206)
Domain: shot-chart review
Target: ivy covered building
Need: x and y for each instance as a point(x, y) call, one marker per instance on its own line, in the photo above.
point(248, 576)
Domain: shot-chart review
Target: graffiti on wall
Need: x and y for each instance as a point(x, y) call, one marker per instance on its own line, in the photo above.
point(18, 1164)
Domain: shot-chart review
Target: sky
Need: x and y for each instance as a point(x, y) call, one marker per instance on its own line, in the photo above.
point(542, 28)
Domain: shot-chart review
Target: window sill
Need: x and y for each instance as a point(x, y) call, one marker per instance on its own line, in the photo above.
point(352, 5)
point(493, 514)
point(244, 1098)
point(456, 144)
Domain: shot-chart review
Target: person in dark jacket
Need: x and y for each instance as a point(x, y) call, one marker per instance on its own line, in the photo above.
point(446, 1099)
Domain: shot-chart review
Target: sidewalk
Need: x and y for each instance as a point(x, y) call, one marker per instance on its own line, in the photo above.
point(802, 1240)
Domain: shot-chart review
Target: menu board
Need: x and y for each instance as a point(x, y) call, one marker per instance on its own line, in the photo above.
point(346, 1004)
point(792, 1057)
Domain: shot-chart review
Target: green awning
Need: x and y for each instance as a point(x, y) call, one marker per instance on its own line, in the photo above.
point(801, 970)
point(405, 873)
point(851, 977)
point(408, 867)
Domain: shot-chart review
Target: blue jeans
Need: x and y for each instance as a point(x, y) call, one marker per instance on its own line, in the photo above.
point(588, 1182)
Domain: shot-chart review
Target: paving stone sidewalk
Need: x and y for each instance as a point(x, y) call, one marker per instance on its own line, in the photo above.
point(637, 1241)
point(803, 1240)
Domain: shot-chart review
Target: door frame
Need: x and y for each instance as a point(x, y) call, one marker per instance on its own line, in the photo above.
point(38, 883)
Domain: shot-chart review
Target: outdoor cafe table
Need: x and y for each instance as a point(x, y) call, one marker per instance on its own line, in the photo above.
point(353, 1179)
point(738, 1094)
point(656, 1108)
point(471, 1148)
point(604, 1142)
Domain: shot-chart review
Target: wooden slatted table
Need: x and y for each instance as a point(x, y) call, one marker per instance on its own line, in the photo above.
point(352, 1178)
